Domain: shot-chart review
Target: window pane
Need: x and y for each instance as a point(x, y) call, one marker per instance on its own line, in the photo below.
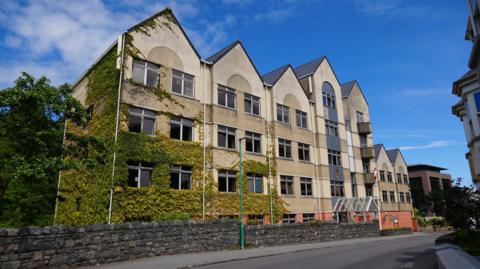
point(133, 177)
point(152, 78)
point(148, 126)
point(231, 141)
point(256, 108)
point(250, 186)
point(288, 151)
point(174, 180)
point(175, 130)
point(135, 124)
point(138, 74)
point(176, 85)
point(221, 97)
point(185, 181)
point(256, 145)
point(187, 133)
point(135, 110)
point(222, 183)
point(145, 179)
point(247, 105)
point(188, 88)
point(258, 186)
point(232, 186)
point(286, 116)
point(290, 188)
point(231, 100)
point(222, 138)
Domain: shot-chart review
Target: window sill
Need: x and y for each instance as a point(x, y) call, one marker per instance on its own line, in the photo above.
point(226, 107)
point(285, 158)
point(305, 162)
point(307, 196)
point(287, 195)
point(283, 123)
point(303, 128)
point(184, 96)
point(227, 149)
point(253, 115)
point(254, 153)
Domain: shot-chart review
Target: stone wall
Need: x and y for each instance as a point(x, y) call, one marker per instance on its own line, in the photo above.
point(397, 231)
point(66, 246)
point(296, 233)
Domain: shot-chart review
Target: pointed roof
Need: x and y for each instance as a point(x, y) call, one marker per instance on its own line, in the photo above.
point(219, 55)
point(377, 148)
point(168, 11)
point(273, 76)
point(308, 68)
point(392, 154)
point(347, 88)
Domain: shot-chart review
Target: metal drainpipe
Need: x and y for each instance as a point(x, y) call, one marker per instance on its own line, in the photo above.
point(59, 175)
point(204, 145)
point(119, 97)
point(269, 159)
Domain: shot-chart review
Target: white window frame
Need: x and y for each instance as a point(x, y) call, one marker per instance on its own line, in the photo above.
point(253, 100)
point(227, 91)
point(284, 114)
point(183, 122)
point(308, 183)
point(228, 175)
point(307, 217)
point(331, 128)
point(145, 67)
point(329, 100)
point(334, 157)
point(304, 148)
point(289, 218)
point(139, 169)
point(286, 180)
point(300, 115)
point(181, 169)
point(254, 137)
point(183, 77)
point(255, 178)
point(287, 147)
point(142, 116)
point(228, 131)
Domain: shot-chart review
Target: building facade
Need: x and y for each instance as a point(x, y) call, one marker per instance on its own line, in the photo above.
point(424, 179)
point(468, 89)
point(175, 123)
point(393, 188)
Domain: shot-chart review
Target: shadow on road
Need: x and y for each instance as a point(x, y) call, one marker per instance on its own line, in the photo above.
point(420, 259)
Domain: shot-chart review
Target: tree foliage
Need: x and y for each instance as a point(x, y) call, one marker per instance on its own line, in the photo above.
point(32, 116)
point(463, 208)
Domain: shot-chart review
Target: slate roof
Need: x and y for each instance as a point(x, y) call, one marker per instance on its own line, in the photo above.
point(377, 148)
point(273, 76)
point(219, 54)
point(347, 88)
point(308, 68)
point(392, 154)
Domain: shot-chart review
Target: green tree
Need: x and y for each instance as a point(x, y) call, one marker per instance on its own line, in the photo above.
point(32, 116)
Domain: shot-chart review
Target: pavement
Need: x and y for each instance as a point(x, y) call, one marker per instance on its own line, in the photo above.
point(405, 251)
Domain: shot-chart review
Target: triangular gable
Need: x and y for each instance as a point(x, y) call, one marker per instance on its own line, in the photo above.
point(273, 76)
point(221, 53)
point(348, 87)
point(167, 11)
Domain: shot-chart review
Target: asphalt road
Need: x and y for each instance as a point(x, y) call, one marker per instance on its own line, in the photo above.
point(416, 252)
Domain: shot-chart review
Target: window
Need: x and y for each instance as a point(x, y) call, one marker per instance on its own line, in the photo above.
point(255, 219)
point(306, 186)
point(286, 185)
point(304, 152)
point(181, 128)
point(182, 83)
point(354, 185)
point(405, 179)
point(399, 178)
point(334, 158)
point(382, 175)
point(284, 148)
point(226, 97)
point(392, 197)
point(329, 100)
point(226, 137)
point(288, 218)
point(385, 196)
point(409, 200)
point(389, 177)
point(145, 73)
point(402, 197)
point(227, 181)
point(476, 96)
point(360, 117)
point(363, 140)
point(307, 217)
point(282, 113)
point(181, 177)
point(366, 166)
point(253, 142)
point(336, 188)
point(251, 104)
point(369, 189)
point(301, 119)
point(141, 120)
point(140, 174)
point(254, 183)
point(331, 128)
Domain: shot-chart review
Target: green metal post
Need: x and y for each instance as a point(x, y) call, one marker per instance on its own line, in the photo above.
point(242, 235)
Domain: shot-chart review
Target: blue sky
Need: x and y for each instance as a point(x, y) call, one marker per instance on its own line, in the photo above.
point(404, 53)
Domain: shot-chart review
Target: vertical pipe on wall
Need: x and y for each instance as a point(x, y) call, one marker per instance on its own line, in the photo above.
point(204, 145)
point(59, 175)
point(117, 118)
point(270, 180)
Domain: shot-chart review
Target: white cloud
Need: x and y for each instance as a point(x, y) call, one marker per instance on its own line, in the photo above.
point(433, 144)
point(274, 15)
point(390, 8)
point(424, 92)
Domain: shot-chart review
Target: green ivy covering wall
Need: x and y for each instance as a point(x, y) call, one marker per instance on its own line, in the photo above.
point(85, 189)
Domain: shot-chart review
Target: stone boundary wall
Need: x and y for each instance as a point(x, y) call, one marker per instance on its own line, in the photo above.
point(297, 233)
point(398, 231)
point(68, 247)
